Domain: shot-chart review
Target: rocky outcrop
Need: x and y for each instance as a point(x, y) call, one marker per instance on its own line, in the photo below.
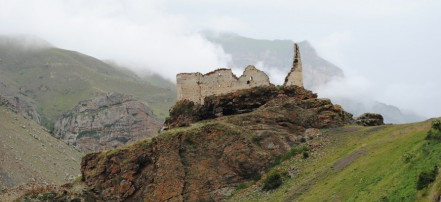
point(106, 121)
point(369, 119)
point(20, 106)
point(208, 160)
point(319, 112)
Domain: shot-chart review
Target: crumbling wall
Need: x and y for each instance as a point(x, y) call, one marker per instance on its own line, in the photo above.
point(295, 76)
point(196, 86)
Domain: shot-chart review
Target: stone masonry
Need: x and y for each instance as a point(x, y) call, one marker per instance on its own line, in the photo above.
point(196, 86)
point(295, 77)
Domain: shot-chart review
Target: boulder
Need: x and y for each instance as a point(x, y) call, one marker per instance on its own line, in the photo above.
point(369, 119)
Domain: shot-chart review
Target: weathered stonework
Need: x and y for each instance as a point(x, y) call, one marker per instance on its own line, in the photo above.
point(196, 86)
point(295, 76)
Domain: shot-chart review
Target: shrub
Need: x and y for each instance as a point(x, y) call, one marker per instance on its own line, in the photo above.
point(183, 108)
point(272, 181)
point(426, 177)
point(436, 125)
point(435, 131)
point(243, 186)
point(407, 157)
point(294, 151)
point(305, 154)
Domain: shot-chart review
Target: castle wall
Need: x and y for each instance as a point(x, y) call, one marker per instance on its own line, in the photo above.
point(295, 76)
point(196, 86)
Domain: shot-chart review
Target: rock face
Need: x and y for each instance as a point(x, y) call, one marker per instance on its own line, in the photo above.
point(319, 112)
point(106, 121)
point(21, 106)
point(369, 119)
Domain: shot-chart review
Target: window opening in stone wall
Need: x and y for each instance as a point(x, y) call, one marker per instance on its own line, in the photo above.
point(249, 80)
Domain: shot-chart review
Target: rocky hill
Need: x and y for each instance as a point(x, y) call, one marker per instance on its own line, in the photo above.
point(208, 159)
point(56, 79)
point(106, 121)
point(28, 153)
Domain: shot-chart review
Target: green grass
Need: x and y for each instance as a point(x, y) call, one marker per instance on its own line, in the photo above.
point(360, 164)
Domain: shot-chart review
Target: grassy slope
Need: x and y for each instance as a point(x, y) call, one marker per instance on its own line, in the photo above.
point(359, 164)
point(29, 151)
point(70, 77)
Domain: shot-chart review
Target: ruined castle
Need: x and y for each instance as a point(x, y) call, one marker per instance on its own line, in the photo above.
point(196, 86)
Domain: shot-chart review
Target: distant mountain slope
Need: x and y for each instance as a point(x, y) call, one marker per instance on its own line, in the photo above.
point(390, 113)
point(28, 153)
point(278, 54)
point(58, 79)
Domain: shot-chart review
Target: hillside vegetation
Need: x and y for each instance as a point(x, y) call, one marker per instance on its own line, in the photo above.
point(56, 79)
point(355, 163)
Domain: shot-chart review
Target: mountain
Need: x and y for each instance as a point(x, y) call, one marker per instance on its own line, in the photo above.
point(56, 79)
point(277, 55)
point(28, 153)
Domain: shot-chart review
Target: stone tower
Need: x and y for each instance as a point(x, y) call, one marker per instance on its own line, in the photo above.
point(295, 76)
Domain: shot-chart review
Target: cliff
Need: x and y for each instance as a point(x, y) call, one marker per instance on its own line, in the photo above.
point(106, 121)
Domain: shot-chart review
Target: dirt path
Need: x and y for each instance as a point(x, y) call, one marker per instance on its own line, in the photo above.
point(338, 165)
point(343, 162)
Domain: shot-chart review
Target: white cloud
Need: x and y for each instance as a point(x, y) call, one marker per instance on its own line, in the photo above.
point(333, 46)
point(133, 33)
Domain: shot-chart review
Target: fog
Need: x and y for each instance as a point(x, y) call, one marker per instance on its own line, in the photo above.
point(387, 49)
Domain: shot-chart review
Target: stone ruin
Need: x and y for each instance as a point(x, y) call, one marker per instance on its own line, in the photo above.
point(196, 86)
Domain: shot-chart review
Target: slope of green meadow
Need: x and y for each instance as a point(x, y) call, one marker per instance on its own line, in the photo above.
point(355, 163)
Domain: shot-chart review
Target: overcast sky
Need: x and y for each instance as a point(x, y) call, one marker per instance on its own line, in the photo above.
point(389, 50)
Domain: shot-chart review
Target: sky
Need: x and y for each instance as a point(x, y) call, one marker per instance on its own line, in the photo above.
point(388, 49)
